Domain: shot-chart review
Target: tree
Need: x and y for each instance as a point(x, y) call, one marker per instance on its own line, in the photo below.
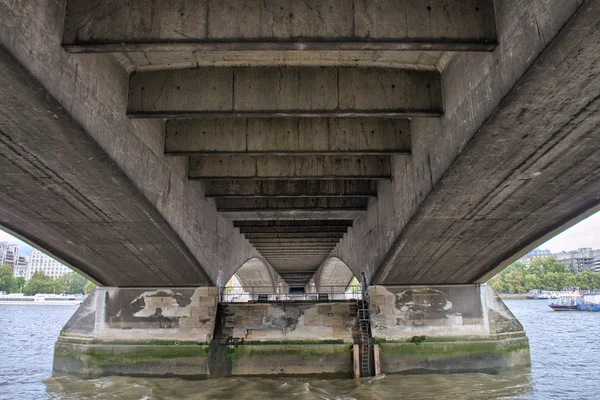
point(545, 274)
point(41, 283)
point(20, 282)
point(89, 287)
point(8, 283)
point(74, 282)
point(497, 283)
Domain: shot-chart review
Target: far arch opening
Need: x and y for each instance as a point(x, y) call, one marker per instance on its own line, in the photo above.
point(254, 279)
point(336, 279)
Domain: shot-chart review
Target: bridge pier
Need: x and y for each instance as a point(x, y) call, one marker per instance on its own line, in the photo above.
point(139, 332)
point(186, 332)
point(458, 328)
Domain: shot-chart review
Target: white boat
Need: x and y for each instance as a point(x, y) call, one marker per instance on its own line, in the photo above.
point(41, 299)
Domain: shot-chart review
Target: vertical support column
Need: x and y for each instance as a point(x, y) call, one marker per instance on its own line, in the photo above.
point(376, 360)
point(356, 360)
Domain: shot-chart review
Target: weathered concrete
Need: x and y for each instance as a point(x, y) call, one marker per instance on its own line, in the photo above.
point(257, 272)
point(286, 136)
point(319, 203)
point(92, 94)
point(288, 338)
point(291, 188)
point(289, 167)
point(277, 92)
point(445, 328)
point(544, 138)
point(61, 192)
point(149, 332)
point(333, 272)
point(466, 225)
point(255, 25)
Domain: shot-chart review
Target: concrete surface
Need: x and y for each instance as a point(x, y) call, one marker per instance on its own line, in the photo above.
point(462, 328)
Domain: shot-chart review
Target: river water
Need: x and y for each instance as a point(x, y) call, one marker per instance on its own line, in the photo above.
point(565, 352)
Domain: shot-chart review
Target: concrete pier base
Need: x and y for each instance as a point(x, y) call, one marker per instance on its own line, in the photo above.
point(460, 328)
point(185, 332)
point(139, 332)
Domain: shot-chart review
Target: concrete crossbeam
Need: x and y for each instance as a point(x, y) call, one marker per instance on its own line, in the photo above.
point(294, 229)
point(289, 167)
point(318, 203)
point(251, 236)
point(284, 136)
point(279, 241)
point(201, 25)
point(290, 223)
point(290, 188)
point(284, 92)
point(292, 214)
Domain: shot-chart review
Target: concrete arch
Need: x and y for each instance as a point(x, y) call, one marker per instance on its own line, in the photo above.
point(333, 272)
point(256, 272)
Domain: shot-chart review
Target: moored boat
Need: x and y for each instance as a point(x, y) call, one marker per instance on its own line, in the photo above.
point(580, 302)
point(41, 299)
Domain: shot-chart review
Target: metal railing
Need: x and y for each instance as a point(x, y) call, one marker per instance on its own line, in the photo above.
point(255, 294)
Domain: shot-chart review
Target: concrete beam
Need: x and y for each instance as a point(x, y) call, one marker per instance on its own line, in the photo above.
point(287, 136)
point(530, 171)
point(289, 223)
point(61, 192)
point(291, 188)
point(279, 241)
point(294, 229)
point(289, 167)
point(318, 203)
point(284, 92)
point(186, 25)
point(293, 214)
point(251, 236)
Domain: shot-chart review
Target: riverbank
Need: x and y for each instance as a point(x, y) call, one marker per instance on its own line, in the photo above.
point(514, 296)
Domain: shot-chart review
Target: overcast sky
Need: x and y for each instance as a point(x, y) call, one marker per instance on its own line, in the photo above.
point(584, 234)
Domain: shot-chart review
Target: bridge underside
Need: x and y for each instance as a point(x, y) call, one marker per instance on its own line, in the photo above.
point(166, 144)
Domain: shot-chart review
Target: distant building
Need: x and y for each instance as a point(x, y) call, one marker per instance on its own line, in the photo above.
point(9, 255)
point(537, 254)
point(597, 264)
point(20, 268)
point(39, 261)
point(584, 259)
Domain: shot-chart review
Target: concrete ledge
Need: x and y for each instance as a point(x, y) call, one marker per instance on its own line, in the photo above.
point(95, 360)
point(454, 356)
point(332, 360)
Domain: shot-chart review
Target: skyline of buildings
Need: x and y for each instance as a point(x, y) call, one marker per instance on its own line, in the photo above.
point(25, 267)
point(582, 259)
point(577, 261)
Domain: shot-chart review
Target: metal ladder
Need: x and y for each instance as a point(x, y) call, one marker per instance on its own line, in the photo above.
point(364, 327)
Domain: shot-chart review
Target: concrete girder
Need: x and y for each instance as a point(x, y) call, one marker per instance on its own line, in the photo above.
point(251, 236)
point(290, 188)
point(289, 167)
point(303, 203)
point(61, 191)
point(419, 60)
point(284, 92)
point(292, 249)
point(544, 175)
point(186, 25)
point(296, 240)
point(294, 229)
point(290, 223)
point(287, 136)
point(291, 214)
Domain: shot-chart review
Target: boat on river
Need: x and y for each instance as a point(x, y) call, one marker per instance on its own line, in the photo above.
point(585, 302)
point(41, 299)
